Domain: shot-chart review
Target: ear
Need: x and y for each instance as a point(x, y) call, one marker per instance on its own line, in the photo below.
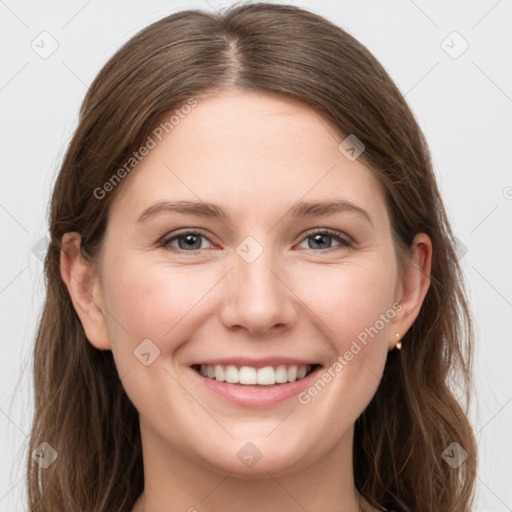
point(412, 286)
point(84, 289)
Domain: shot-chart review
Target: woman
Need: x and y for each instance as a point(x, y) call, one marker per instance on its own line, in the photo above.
point(254, 300)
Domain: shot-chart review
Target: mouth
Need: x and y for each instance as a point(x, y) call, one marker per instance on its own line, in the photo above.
point(270, 375)
point(255, 384)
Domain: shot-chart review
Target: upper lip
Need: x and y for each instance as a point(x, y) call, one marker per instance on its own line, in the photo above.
point(255, 362)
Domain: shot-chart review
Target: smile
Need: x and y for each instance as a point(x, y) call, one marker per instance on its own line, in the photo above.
point(255, 383)
point(248, 375)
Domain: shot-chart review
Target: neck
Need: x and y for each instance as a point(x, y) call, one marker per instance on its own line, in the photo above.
point(175, 480)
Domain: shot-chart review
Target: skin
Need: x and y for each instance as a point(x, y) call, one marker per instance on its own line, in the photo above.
point(256, 156)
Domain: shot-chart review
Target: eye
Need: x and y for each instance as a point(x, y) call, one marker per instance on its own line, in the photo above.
point(191, 241)
point(322, 239)
point(187, 241)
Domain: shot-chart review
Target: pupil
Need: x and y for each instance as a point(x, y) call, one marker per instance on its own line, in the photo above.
point(318, 240)
point(190, 242)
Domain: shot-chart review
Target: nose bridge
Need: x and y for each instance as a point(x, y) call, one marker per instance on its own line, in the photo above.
point(256, 298)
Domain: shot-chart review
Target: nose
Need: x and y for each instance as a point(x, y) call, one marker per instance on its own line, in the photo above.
point(258, 297)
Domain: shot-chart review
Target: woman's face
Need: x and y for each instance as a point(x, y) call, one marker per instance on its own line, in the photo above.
point(248, 243)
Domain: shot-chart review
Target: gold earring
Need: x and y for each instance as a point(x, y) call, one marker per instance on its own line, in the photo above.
point(398, 343)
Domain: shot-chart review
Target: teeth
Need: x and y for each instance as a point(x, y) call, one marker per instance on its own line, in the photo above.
point(267, 376)
point(246, 375)
point(281, 374)
point(220, 374)
point(231, 374)
point(301, 373)
point(292, 373)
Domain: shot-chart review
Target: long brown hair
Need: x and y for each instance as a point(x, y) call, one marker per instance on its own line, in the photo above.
point(81, 408)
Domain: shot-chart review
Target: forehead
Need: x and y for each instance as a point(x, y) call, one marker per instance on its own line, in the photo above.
point(249, 152)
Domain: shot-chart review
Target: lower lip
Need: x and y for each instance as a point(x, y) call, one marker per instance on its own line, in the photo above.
point(257, 396)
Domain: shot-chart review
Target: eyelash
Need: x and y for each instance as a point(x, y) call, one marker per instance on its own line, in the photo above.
point(343, 242)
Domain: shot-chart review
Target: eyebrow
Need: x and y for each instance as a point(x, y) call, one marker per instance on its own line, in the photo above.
point(301, 209)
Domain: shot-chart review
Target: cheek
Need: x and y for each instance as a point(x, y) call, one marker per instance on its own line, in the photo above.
point(160, 303)
point(354, 303)
point(156, 302)
point(351, 298)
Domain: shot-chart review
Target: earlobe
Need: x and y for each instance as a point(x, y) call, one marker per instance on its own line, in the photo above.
point(413, 286)
point(84, 290)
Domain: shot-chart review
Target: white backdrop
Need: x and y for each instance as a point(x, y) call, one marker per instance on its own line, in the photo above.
point(453, 61)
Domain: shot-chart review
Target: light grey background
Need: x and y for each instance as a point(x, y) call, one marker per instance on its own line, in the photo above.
point(463, 102)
